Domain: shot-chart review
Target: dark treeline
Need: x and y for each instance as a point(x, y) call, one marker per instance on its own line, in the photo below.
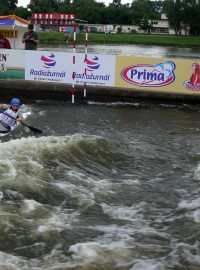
point(182, 14)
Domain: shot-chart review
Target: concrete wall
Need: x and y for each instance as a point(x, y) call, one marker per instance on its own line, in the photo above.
point(48, 91)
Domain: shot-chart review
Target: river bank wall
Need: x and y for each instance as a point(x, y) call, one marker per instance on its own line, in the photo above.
point(63, 92)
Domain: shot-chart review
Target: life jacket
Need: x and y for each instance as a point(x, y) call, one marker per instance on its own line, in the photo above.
point(8, 117)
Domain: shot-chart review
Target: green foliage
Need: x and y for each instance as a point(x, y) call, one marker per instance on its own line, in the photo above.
point(183, 14)
point(116, 3)
point(7, 6)
point(145, 25)
point(3, 10)
point(44, 6)
point(144, 10)
point(175, 14)
point(23, 13)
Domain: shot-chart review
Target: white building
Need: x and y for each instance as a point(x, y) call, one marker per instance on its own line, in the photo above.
point(105, 28)
point(128, 29)
point(162, 27)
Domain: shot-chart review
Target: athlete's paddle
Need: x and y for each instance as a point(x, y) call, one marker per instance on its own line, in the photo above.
point(34, 129)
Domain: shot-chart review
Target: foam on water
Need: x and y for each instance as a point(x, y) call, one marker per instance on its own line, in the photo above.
point(57, 221)
point(89, 202)
point(124, 213)
point(148, 265)
point(197, 173)
point(32, 154)
point(79, 193)
point(30, 205)
point(96, 253)
point(120, 242)
point(192, 208)
point(10, 262)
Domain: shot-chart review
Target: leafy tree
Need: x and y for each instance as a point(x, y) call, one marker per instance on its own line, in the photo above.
point(88, 10)
point(194, 21)
point(43, 6)
point(174, 14)
point(120, 15)
point(124, 15)
point(3, 10)
point(33, 3)
point(64, 6)
point(181, 14)
point(23, 13)
point(157, 8)
point(116, 3)
point(191, 15)
point(12, 4)
point(145, 25)
point(144, 9)
point(111, 15)
point(7, 6)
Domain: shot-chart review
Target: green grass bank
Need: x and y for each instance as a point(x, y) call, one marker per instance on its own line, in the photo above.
point(101, 38)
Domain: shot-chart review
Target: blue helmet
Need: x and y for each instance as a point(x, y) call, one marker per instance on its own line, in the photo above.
point(15, 102)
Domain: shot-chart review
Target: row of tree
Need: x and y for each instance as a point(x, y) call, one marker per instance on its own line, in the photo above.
point(182, 14)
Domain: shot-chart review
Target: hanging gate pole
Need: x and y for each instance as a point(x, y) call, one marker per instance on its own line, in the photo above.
point(86, 52)
point(74, 63)
point(74, 60)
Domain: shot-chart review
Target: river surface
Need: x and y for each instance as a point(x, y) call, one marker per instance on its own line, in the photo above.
point(106, 186)
point(112, 186)
point(135, 50)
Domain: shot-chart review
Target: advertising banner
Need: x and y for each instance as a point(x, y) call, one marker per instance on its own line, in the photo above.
point(95, 70)
point(58, 67)
point(147, 74)
point(12, 63)
point(47, 66)
point(164, 75)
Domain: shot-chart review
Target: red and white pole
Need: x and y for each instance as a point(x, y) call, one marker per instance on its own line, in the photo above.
point(86, 53)
point(74, 63)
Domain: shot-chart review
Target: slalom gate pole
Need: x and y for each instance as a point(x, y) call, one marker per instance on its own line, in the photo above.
point(86, 52)
point(74, 63)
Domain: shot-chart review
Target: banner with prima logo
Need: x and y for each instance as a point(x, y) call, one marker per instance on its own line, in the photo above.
point(158, 74)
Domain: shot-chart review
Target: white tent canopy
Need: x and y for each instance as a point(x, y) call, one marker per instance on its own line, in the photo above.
point(13, 28)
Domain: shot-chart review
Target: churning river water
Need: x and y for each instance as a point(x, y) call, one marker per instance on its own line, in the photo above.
point(106, 186)
point(111, 186)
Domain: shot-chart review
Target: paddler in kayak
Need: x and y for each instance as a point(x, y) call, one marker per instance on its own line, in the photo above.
point(10, 115)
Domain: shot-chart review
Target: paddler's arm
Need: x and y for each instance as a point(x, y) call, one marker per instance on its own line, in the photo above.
point(21, 120)
point(3, 107)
